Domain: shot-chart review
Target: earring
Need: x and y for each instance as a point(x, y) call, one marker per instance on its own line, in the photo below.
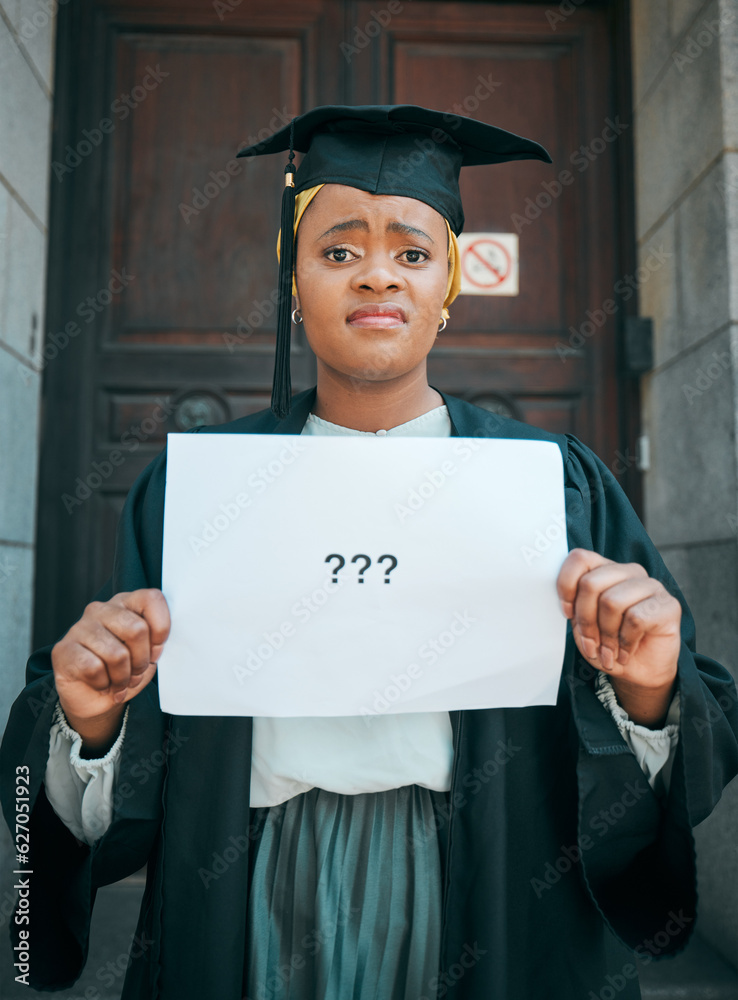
point(442, 324)
point(295, 320)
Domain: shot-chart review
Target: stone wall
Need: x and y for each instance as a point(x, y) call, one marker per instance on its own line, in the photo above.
point(685, 61)
point(26, 54)
point(26, 61)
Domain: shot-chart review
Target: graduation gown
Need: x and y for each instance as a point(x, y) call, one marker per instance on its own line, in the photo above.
point(559, 859)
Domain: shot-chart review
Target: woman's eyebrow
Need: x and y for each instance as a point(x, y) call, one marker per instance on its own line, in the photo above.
point(401, 227)
point(341, 227)
point(392, 227)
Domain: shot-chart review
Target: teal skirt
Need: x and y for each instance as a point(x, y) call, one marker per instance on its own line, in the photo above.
point(345, 895)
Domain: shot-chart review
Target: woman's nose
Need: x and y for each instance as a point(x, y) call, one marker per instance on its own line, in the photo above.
point(378, 273)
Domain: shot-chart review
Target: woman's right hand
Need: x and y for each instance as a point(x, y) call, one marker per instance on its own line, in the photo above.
point(107, 658)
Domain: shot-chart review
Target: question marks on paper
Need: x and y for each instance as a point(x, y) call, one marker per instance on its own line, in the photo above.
point(364, 568)
point(337, 567)
point(389, 568)
point(341, 564)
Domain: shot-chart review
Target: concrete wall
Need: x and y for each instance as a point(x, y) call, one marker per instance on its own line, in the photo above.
point(26, 54)
point(685, 64)
point(26, 61)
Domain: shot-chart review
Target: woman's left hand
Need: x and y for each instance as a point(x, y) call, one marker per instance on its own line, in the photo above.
point(626, 624)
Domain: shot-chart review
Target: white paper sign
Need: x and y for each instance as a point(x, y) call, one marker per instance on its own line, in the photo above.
point(329, 576)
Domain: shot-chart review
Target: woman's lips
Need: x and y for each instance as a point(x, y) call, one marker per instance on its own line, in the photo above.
point(377, 320)
point(377, 317)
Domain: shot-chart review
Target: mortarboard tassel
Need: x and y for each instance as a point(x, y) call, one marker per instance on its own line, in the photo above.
point(282, 382)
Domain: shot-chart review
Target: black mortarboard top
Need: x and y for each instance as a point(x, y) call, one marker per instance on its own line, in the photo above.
point(396, 149)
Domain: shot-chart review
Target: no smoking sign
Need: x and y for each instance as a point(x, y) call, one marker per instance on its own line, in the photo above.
point(489, 263)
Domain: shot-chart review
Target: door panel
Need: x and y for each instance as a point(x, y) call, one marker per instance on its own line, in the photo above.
point(183, 224)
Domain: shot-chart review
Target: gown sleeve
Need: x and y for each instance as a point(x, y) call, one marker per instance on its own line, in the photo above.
point(80, 790)
point(66, 870)
point(638, 854)
point(654, 749)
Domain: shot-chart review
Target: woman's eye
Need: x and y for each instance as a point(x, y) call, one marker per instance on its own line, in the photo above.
point(415, 256)
point(338, 254)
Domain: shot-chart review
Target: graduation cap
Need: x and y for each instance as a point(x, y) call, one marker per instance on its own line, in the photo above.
point(396, 149)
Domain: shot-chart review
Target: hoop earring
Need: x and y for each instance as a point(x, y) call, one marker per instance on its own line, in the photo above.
point(295, 320)
point(442, 324)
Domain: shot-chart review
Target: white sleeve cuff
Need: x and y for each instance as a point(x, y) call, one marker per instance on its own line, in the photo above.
point(654, 749)
point(80, 791)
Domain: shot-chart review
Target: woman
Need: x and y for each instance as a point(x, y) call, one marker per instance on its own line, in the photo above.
point(506, 853)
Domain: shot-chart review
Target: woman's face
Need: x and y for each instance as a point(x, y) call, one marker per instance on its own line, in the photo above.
point(371, 275)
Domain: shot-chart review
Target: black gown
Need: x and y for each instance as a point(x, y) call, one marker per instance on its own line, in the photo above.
point(555, 871)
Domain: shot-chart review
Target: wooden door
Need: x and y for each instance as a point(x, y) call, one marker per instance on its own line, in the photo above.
point(162, 268)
